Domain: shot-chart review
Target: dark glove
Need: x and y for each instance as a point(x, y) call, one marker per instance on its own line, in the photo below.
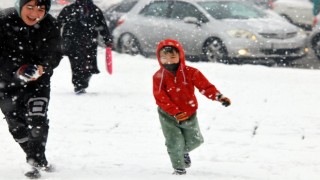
point(224, 100)
point(108, 45)
point(182, 116)
point(28, 72)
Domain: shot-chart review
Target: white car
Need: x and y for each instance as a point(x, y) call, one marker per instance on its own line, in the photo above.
point(298, 12)
point(214, 30)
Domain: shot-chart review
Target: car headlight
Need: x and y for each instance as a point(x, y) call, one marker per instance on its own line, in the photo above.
point(302, 33)
point(238, 33)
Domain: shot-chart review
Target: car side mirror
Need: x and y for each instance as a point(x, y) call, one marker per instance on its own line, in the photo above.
point(192, 20)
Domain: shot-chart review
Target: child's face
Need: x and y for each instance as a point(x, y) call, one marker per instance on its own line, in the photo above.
point(169, 57)
point(31, 14)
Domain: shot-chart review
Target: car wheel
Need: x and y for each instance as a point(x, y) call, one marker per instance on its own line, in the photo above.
point(316, 45)
point(129, 45)
point(214, 51)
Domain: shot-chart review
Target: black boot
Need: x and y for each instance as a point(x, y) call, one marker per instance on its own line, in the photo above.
point(187, 160)
point(79, 90)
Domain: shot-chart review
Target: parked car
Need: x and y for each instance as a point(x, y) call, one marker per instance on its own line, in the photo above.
point(298, 12)
point(214, 30)
point(115, 11)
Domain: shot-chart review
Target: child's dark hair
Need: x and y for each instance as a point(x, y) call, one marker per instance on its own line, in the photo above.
point(169, 49)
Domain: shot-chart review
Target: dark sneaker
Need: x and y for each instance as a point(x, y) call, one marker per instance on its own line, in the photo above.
point(187, 160)
point(33, 173)
point(80, 91)
point(179, 172)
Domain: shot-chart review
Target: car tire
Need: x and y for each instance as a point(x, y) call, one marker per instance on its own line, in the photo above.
point(315, 43)
point(129, 44)
point(215, 51)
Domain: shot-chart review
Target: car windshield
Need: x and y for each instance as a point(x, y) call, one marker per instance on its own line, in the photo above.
point(231, 10)
point(124, 6)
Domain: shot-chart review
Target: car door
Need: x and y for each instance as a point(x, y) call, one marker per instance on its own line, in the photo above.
point(189, 34)
point(152, 24)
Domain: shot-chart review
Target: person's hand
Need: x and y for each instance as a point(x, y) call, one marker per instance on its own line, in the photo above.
point(109, 45)
point(224, 100)
point(30, 72)
point(182, 116)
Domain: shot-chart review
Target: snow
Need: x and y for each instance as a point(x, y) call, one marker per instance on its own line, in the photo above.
point(113, 131)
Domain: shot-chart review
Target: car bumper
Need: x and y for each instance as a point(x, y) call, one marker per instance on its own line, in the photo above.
point(271, 48)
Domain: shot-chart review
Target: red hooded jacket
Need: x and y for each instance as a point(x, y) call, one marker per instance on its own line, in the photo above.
point(175, 93)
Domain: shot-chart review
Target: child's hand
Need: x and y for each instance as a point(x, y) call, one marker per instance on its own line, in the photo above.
point(182, 116)
point(224, 100)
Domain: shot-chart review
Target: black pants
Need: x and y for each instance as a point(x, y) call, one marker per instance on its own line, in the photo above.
point(83, 64)
point(25, 111)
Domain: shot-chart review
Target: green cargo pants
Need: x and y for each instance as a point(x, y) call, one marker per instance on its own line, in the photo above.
point(180, 138)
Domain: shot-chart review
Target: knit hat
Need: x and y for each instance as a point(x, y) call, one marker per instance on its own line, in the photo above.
point(21, 3)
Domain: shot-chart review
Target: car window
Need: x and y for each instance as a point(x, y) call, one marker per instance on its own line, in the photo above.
point(156, 9)
point(124, 6)
point(181, 10)
point(231, 10)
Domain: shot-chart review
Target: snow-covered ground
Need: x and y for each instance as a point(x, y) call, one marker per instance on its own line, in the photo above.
point(113, 131)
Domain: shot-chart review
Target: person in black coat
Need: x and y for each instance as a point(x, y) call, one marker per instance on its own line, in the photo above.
point(30, 48)
point(82, 24)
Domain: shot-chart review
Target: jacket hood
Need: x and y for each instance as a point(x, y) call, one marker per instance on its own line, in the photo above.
point(174, 43)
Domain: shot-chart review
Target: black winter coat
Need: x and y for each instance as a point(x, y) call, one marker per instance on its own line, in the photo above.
point(82, 29)
point(21, 44)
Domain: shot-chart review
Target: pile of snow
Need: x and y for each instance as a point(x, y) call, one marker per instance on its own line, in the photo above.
point(113, 131)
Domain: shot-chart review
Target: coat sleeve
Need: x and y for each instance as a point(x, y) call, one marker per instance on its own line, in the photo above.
point(7, 68)
point(1, 39)
point(103, 28)
point(204, 86)
point(51, 51)
point(161, 97)
point(62, 17)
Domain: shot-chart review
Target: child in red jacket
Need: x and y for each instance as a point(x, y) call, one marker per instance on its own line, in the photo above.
point(173, 89)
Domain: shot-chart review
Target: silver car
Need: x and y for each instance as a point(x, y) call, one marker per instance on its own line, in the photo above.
point(214, 30)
